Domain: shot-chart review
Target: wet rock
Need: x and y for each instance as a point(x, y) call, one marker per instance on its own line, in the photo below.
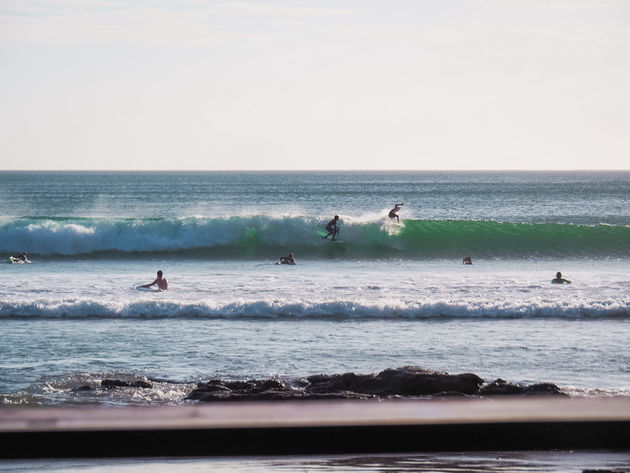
point(268, 389)
point(502, 387)
point(117, 383)
point(405, 381)
point(541, 389)
point(402, 382)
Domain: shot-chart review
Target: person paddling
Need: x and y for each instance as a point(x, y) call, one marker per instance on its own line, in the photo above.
point(23, 257)
point(161, 282)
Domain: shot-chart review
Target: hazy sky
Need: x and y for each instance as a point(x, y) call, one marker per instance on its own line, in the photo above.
point(195, 84)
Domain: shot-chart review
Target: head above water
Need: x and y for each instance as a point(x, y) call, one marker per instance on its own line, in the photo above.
point(336, 217)
point(159, 274)
point(558, 275)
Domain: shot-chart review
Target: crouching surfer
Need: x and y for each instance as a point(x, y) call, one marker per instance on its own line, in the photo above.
point(287, 259)
point(161, 282)
point(332, 228)
point(559, 279)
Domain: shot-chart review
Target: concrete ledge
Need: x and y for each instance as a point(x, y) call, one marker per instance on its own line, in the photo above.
point(305, 427)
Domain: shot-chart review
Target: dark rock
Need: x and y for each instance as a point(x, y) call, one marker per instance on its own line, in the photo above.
point(542, 389)
point(405, 381)
point(502, 387)
point(85, 387)
point(117, 383)
point(212, 386)
point(499, 387)
point(408, 381)
point(256, 386)
point(252, 390)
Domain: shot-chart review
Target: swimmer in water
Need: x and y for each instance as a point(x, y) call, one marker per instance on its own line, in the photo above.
point(393, 214)
point(467, 260)
point(161, 282)
point(287, 259)
point(559, 279)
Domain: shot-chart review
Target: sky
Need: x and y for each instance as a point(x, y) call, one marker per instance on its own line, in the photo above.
point(314, 84)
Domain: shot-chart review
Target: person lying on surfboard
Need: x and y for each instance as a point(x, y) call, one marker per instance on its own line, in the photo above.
point(23, 258)
point(332, 228)
point(393, 214)
point(161, 282)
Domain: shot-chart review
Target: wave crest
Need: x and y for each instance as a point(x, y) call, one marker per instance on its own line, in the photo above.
point(264, 236)
point(312, 310)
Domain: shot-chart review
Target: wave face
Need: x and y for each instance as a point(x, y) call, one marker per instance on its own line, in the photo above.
point(265, 236)
point(263, 309)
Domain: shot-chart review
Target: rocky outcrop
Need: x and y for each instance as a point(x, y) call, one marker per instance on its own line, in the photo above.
point(259, 390)
point(405, 382)
point(501, 387)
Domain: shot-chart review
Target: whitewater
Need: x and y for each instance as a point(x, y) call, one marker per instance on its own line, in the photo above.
point(384, 295)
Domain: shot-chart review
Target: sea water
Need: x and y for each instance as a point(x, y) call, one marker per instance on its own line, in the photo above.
point(386, 294)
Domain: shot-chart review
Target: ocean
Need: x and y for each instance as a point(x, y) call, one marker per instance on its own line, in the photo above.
point(384, 295)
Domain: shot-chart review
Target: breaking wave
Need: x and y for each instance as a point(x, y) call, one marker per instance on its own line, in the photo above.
point(158, 308)
point(265, 236)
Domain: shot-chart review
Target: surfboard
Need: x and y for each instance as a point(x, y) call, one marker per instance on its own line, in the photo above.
point(17, 260)
point(149, 289)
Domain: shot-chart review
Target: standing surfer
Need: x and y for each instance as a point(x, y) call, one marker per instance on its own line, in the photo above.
point(393, 214)
point(332, 228)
